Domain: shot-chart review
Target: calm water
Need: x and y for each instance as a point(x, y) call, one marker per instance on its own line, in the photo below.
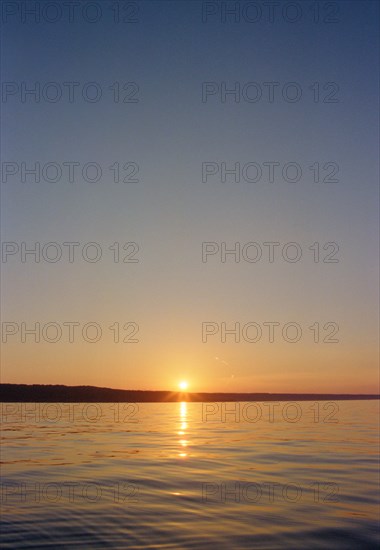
point(168, 476)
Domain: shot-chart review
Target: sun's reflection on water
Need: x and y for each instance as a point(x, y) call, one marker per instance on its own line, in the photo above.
point(183, 427)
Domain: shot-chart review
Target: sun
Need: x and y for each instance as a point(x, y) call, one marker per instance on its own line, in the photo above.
point(183, 385)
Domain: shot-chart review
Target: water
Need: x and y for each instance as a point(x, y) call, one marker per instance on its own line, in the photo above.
point(166, 475)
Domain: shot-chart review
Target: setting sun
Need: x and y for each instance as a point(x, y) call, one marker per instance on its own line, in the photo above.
point(183, 385)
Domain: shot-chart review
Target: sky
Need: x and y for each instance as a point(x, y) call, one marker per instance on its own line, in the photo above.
point(138, 126)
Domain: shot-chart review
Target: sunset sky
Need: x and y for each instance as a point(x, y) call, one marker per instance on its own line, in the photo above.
point(169, 52)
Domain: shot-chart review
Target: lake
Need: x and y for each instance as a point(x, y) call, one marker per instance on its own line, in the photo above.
point(190, 475)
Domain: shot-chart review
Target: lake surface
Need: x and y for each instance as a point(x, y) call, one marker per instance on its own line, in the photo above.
point(190, 475)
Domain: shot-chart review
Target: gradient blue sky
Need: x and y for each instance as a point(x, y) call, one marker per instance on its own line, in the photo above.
point(170, 212)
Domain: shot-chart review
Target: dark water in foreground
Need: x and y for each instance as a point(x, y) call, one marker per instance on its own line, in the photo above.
point(182, 476)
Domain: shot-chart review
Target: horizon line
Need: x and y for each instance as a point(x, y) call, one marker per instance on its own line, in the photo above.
point(181, 391)
point(11, 392)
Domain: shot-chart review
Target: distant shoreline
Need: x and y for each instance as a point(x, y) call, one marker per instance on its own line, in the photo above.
point(39, 393)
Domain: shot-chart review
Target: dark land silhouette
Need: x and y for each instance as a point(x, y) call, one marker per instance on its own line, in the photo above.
point(40, 393)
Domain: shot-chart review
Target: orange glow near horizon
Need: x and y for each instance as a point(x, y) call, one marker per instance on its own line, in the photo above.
point(286, 370)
